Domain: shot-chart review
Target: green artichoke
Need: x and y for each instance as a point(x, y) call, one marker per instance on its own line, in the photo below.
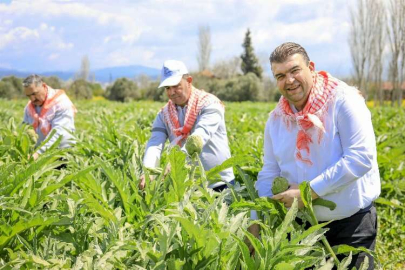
point(33, 135)
point(280, 184)
point(194, 144)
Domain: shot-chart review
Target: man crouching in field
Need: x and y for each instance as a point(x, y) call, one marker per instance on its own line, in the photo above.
point(48, 109)
point(189, 112)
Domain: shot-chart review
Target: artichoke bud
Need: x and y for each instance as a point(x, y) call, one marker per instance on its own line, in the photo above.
point(280, 184)
point(32, 134)
point(194, 144)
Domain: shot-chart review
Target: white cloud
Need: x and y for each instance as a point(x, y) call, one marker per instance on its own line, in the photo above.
point(43, 26)
point(17, 35)
point(148, 32)
point(53, 56)
point(47, 9)
point(129, 38)
point(61, 46)
point(127, 57)
point(107, 39)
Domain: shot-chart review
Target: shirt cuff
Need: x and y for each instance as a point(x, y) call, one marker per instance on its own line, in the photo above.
point(320, 186)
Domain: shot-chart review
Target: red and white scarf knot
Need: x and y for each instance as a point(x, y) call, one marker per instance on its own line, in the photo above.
point(197, 101)
point(310, 119)
point(54, 98)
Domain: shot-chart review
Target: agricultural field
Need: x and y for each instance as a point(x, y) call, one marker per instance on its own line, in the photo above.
point(91, 214)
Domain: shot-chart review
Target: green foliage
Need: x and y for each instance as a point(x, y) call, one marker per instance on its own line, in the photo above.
point(11, 88)
point(241, 88)
point(53, 82)
point(80, 89)
point(97, 90)
point(152, 92)
point(123, 90)
point(6, 90)
point(250, 63)
point(92, 214)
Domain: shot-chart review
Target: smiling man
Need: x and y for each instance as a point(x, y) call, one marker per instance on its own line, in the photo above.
point(189, 111)
point(48, 109)
point(321, 132)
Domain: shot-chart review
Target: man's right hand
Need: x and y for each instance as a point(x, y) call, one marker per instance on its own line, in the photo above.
point(142, 182)
point(255, 230)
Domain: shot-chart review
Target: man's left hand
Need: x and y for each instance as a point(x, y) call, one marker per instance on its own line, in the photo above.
point(34, 156)
point(287, 197)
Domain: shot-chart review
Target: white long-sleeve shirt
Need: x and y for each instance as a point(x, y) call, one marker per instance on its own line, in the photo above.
point(344, 168)
point(209, 125)
point(62, 122)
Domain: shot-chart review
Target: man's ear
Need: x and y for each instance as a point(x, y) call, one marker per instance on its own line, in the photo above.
point(311, 66)
point(189, 79)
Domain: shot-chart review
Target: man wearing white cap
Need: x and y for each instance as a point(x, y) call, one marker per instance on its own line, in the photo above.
point(189, 111)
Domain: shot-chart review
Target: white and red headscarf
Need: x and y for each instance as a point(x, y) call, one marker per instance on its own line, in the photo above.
point(311, 118)
point(55, 100)
point(197, 101)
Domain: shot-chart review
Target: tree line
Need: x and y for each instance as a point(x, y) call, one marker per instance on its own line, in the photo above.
point(377, 44)
point(236, 79)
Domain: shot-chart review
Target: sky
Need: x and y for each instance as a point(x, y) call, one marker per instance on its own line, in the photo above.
point(44, 35)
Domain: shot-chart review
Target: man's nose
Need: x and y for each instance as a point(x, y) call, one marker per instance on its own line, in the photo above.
point(290, 78)
point(32, 98)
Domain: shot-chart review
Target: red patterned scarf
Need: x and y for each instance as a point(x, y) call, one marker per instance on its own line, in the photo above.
point(311, 117)
point(54, 98)
point(197, 101)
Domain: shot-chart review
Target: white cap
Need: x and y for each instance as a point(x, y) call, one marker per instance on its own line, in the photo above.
point(172, 72)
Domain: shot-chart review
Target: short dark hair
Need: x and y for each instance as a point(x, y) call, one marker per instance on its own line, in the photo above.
point(285, 50)
point(32, 79)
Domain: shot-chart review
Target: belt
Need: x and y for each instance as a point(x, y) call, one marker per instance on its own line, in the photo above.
point(364, 210)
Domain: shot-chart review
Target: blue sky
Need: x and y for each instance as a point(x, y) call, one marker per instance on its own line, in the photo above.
point(45, 35)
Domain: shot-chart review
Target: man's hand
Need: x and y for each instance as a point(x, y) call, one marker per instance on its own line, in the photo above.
point(287, 197)
point(142, 181)
point(141, 184)
point(167, 170)
point(34, 156)
point(255, 230)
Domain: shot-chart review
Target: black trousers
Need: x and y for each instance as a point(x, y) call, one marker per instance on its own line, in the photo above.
point(62, 166)
point(358, 230)
point(224, 186)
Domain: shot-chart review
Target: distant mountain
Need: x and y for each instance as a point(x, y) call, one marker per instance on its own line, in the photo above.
point(9, 72)
point(103, 75)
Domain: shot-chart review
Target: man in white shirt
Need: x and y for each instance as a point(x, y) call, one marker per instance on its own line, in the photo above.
point(189, 111)
point(48, 109)
point(321, 132)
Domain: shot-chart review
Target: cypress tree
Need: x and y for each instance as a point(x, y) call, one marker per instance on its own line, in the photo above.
point(250, 63)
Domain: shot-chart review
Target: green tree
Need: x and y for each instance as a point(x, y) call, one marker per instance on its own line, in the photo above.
point(152, 92)
point(11, 87)
point(250, 63)
point(53, 82)
point(123, 90)
point(80, 89)
point(242, 88)
point(6, 90)
point(97, 89)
